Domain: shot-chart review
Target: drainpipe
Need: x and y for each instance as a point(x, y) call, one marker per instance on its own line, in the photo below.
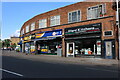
point(117, 23)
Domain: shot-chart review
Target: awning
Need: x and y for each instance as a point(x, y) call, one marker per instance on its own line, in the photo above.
point(47, 38)
point(82, 37)
point(26, 41)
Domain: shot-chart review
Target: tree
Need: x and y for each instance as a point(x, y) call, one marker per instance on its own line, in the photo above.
point(7, 42)
point(0, 43)
point(3, 44)
point(13, 45)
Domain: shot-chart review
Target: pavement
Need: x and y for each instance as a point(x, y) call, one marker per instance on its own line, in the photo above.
point(71, 60)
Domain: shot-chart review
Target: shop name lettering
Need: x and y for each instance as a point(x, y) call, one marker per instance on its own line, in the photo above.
point(92, 29)
point(57, 33)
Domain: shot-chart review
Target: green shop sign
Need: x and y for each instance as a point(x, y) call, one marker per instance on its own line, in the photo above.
point(92, 28)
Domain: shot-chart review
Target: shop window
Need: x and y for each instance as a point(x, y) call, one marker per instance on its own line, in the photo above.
point(27, 29)
point(74, 16)
point(42, 23)
point(88, 47)
point(32, 26)
point(55, 20)
point(108, 33)
point(96, 11)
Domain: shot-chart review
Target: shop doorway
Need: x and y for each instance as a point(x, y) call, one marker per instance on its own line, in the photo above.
point(70, 49)
point(108, 49)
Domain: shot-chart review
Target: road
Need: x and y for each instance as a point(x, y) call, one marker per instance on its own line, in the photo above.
point(19, 65)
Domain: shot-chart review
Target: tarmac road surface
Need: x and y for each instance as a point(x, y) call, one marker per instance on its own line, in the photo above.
point(19, 65)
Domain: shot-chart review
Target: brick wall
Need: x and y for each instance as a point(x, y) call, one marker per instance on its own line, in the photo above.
point(15, 40)
point(63, 12)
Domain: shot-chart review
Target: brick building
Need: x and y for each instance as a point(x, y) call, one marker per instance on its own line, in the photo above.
point(83, 29)
point(15, 40)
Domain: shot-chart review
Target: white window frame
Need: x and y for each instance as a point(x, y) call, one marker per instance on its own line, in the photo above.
point(108, 35)
point(23, 31)
point(32, 26)
point(78, 19)
point(27, 28)
point(54, 19)
point(103, 11)
point(42, 23)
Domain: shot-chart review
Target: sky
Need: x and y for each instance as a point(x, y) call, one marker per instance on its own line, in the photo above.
point(14, 14)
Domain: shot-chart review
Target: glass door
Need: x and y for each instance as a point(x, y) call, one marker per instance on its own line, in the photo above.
point(108, 49)
point(70, 49)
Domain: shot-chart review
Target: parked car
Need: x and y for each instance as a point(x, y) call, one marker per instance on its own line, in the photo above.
point(9, 48)
point(4, 48)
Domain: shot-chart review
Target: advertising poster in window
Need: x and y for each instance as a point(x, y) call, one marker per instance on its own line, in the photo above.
point(32, 49)
point(70, 49)
point(27, 47)
point(98, 43)
point(44, 49)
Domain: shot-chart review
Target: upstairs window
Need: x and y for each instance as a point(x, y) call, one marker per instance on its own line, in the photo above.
point(22, 32)
point(55, 20)
point(108, 33)
point(74, 16)
point(32, 26)
point(27, 29)
point(96, 11)
point(42, 23)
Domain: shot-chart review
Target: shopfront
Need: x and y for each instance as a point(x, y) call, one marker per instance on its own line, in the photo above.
point(49, 42)
point(27, 44)
point(109, 49)
point(32, 44)
point(83, 41)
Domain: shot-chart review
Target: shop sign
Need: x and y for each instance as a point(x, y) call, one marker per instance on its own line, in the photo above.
point(54, 33)
point(33, 36)
point(26, 38)
point(93, 28)
point(39, 35)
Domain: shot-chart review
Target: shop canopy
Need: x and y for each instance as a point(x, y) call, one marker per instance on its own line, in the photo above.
point(82, 37)
point(45, 38)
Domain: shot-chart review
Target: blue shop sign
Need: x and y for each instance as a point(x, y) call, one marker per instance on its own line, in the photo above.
point(54, 33)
